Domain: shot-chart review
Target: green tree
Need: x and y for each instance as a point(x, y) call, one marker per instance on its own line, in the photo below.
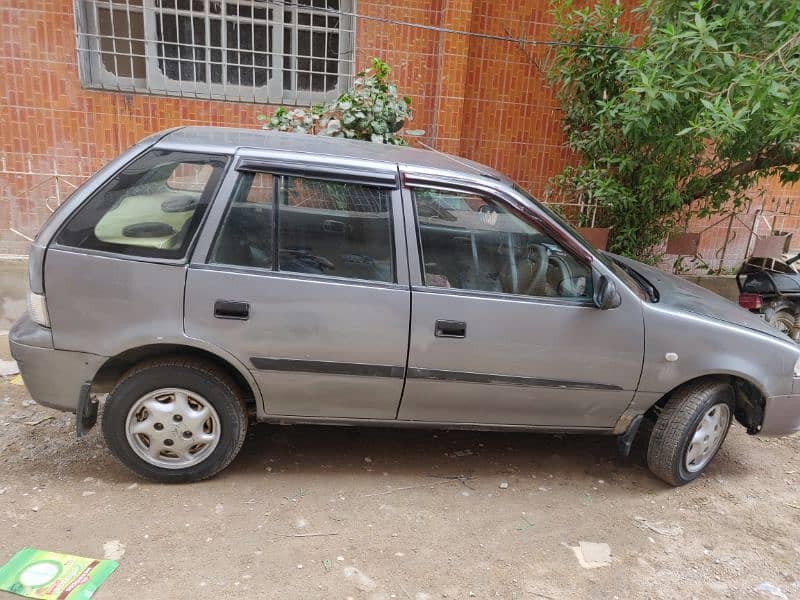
point(686, 115)
point(371, 110)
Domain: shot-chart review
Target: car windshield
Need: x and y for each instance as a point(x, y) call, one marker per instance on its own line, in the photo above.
point(633, 284)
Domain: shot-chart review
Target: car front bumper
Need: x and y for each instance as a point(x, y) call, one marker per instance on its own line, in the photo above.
point(782, 413)
point(53, 377)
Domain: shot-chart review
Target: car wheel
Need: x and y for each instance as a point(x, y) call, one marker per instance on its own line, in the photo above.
point(689, 431)
point(175, 420)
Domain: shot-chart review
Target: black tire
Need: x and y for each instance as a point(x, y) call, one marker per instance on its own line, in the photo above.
point(198, 376)
point(674, 427)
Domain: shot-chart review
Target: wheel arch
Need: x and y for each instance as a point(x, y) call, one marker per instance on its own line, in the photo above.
point(749, 399)
point(112, 369)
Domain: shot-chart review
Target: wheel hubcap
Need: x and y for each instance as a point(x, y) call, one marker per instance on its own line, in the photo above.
point(707, 437)
point(173, 428)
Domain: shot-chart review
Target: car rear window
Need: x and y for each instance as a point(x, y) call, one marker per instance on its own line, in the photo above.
point(151, 208)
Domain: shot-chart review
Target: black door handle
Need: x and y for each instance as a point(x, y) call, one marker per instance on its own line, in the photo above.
point(451, 329)
point(231, 309)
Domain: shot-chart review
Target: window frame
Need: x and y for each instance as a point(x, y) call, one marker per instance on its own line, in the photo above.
point(247, 167)
point(462, 188)
point(100, 185)
point(93, 74)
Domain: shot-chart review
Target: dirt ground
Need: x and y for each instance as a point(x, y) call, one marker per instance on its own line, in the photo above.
point(313, 512)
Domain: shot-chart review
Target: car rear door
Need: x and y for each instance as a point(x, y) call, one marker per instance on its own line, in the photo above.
point(503, 328)
point(301, 273)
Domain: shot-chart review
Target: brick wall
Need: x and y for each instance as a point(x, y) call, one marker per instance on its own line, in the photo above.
point(725, 241)
point(483, 99)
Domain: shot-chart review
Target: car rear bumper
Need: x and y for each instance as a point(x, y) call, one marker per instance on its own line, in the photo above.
point(53, 377)
point(782, 414)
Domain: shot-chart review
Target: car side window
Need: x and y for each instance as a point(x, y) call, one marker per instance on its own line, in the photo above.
point(324, 228)
point(332, 228)
point(471, 242)
point(151, 208)
point(245, 238)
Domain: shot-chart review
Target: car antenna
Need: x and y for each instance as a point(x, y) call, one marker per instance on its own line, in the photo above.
point(457, 160)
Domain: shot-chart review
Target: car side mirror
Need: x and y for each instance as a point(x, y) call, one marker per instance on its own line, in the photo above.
point(606, 295)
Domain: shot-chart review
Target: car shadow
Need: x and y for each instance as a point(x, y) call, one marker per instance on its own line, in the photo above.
point(311, 449)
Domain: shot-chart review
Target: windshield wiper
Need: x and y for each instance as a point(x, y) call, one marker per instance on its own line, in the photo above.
point(647, 287)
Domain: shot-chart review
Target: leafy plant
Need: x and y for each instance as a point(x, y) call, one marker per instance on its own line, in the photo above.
point(688, 264)
point(372, 110)
point(683, 118)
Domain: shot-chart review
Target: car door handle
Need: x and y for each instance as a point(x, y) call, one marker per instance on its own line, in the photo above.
point(231, 309)
point(450, 329)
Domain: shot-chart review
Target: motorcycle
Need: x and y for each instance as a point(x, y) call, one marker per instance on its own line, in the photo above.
point(771, 287)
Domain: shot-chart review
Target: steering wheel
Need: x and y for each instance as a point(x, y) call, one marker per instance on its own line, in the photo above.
point(566, 282)
point(539, 262)
point(531, 270)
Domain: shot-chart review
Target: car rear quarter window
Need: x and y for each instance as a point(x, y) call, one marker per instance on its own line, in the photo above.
point(151, 208)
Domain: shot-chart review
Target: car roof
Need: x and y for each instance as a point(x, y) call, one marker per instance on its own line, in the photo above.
point(228, 140)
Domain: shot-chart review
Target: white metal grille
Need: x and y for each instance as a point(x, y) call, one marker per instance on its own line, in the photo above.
point(275, 51)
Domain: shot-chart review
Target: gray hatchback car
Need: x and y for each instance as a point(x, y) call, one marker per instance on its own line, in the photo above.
point(209, 276)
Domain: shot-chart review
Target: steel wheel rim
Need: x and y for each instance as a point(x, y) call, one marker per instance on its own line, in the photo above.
point(784, 326)
point(707, 437)
point(172, 428)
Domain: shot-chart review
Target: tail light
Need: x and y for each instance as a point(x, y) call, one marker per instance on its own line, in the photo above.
point(751, 301)
point(37, 308)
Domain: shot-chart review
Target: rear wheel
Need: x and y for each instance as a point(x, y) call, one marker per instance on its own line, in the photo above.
point(175, 420)
point(786, 322)
point(689, 431)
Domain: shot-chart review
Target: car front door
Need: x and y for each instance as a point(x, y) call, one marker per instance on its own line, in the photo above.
point(298, 276)
point(504, 330)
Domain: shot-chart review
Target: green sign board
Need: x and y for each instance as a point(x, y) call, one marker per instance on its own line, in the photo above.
point(52, 576)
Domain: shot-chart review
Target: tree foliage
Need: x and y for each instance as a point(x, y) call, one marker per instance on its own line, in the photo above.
point(372, 110)
point(685, 116)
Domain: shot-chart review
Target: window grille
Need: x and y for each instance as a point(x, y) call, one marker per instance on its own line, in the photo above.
point(271, 51)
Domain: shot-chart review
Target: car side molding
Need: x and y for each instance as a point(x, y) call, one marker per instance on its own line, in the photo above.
point(326, 367)
point(371, 370)
point(492, 378)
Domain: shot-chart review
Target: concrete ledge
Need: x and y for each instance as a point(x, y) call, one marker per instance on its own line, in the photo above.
point(725, 286)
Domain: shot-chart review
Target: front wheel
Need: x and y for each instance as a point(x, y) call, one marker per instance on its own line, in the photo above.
point(689, 431)
point(175, 420)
